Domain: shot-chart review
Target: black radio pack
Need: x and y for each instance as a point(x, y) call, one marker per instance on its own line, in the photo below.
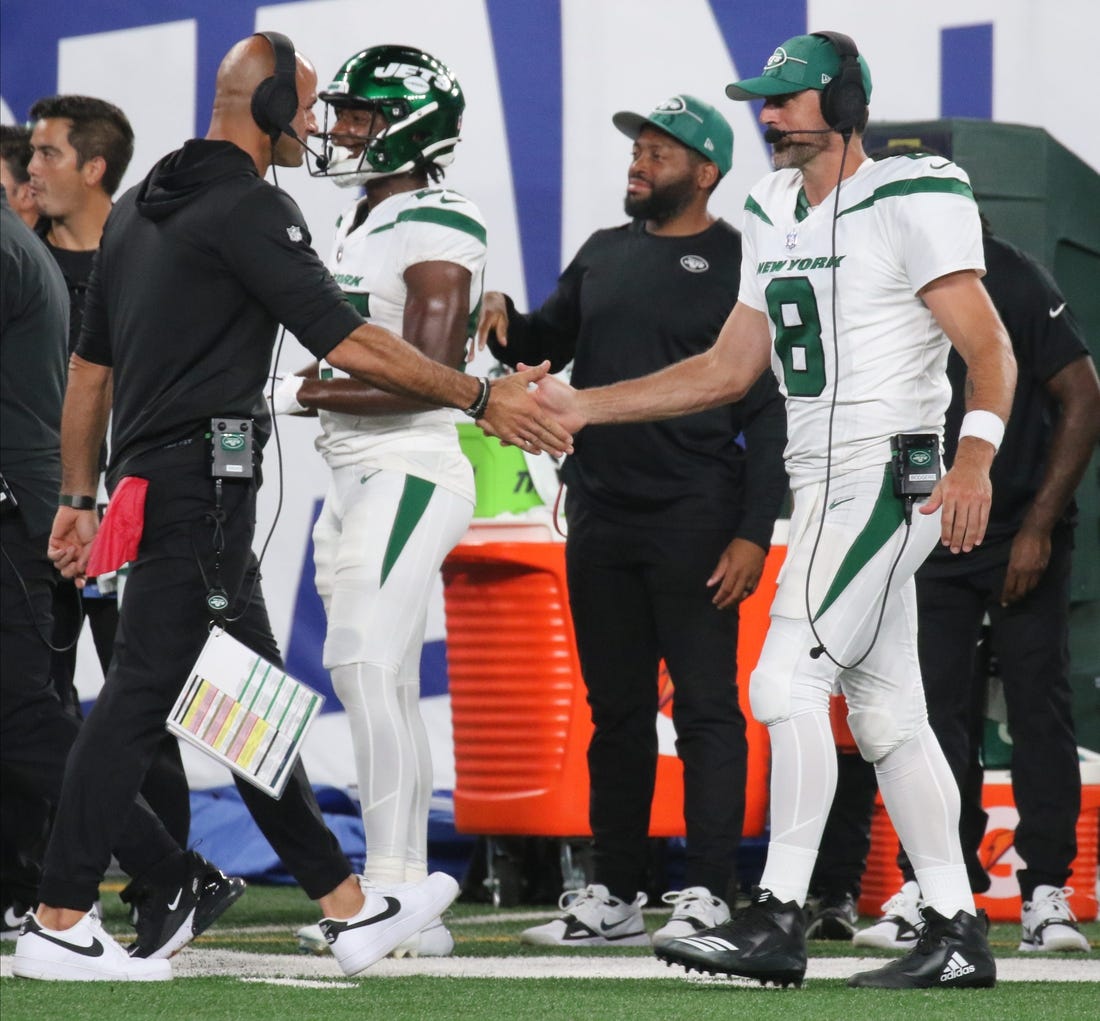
point(230, 448)
point(915, 459)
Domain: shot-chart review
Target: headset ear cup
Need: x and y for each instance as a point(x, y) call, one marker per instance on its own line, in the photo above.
point(844, 99)
point(275, 100)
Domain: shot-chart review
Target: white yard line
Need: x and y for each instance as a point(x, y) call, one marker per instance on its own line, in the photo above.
point(290, 969)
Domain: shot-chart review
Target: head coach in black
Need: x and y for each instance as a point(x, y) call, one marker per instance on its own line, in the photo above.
point(197, 267)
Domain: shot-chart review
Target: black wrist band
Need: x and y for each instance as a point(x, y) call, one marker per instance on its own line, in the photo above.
point(76, 502)
point(477, 409)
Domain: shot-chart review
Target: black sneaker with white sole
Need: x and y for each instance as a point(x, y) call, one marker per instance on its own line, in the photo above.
point(951, 953)
point(167, 919)
point(764, 940)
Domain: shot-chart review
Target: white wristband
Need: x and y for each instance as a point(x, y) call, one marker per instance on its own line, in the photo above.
point(285, 398)
point(985, 425)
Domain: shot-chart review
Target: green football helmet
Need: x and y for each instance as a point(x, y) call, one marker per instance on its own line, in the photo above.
point(421, 101)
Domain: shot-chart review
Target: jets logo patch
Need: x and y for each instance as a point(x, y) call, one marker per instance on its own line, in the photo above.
point(694, 263)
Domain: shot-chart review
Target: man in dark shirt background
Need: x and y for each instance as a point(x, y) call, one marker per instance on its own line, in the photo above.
point(669, 523)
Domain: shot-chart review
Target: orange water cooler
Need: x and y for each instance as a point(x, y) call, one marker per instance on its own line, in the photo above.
point(521, 722)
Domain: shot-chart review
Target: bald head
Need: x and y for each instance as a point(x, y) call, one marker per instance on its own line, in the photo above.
point(247, 64)
point(243, 68)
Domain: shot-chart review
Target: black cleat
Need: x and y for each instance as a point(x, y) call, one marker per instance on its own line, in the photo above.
point(764, 940)
point(952, 953)
point(167, 919)
point(832, 918)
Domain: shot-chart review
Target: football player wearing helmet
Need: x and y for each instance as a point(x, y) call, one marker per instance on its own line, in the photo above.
point(410, 256)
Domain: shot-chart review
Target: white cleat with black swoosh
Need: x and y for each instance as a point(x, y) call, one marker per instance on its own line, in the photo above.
point(593, 918)
point(389, 916)
point(82, 953)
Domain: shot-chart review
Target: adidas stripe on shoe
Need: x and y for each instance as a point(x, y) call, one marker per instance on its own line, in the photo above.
point(764, 940)
point(951, 953)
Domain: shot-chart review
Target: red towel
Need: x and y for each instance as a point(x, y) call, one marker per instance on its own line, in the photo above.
point(116, 543)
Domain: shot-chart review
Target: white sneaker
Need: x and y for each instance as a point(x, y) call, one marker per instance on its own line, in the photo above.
point(593, 918)
point(434, 940)
point(693, 910)
point(1049, 923)
point(82, 953)
point(900, 925)
point(389, 916)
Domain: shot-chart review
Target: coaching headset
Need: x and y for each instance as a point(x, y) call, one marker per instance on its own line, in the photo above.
point(275, 101)
point(844, 99)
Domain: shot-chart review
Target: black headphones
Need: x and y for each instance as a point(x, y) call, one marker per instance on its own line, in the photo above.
point(275, 101)
point(843, 100)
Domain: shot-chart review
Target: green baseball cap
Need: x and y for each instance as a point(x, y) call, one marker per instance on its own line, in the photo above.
point(804, 62)
point(689, 120)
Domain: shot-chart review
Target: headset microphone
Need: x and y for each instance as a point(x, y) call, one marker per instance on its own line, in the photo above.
point(319, 158)
point(773, 135)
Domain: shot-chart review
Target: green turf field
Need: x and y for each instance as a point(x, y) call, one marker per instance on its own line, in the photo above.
point(248, 967)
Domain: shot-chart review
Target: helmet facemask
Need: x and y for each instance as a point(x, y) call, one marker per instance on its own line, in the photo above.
point(420, 102)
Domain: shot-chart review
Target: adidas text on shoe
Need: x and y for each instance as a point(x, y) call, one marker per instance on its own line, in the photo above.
point(168, 919)
point(764, 940)
point(82, 953)
point(900, 925)
point(1049, 924)
point(593, 918)
point(389, 916)
point(832, 918)
point(951, 953)
point(693, 910)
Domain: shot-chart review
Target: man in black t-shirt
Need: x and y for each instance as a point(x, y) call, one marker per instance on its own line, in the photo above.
point(197, 267)
point(669, 523)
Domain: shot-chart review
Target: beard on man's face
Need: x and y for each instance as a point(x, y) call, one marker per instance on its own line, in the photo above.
point(663, 203)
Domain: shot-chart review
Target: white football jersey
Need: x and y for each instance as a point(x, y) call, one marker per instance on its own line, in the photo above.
point(902, 222)
point(369, 264)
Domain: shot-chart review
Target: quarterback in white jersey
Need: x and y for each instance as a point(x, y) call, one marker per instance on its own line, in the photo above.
point(901, 223)
point(410, 257)
point(857, 332)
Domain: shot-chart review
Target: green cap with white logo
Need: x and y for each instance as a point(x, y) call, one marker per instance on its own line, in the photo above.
point(804, 62)
point(689, 120)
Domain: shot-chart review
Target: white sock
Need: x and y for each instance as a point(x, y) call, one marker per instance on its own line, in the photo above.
point(802, 786)
point(922, 799)
point(385, 764)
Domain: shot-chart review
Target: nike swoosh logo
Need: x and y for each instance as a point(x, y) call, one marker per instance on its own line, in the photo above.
point(939, 166)
point(450, 202)
point(393, 905)
point(837, 503)
point(613, 925)
point(1056, 312)
point(94, 949)
point(175, 901)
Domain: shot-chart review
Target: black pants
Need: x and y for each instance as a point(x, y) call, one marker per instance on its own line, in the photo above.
point(162, 628)
point(36, 731)
point(638, 595)
point(25, 819)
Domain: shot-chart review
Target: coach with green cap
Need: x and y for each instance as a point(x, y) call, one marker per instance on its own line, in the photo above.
point(669, 523)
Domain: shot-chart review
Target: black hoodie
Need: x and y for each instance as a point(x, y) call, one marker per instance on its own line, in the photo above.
point(197, 266)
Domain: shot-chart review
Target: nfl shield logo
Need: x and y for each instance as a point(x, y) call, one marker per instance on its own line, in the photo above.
point(294, 232)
